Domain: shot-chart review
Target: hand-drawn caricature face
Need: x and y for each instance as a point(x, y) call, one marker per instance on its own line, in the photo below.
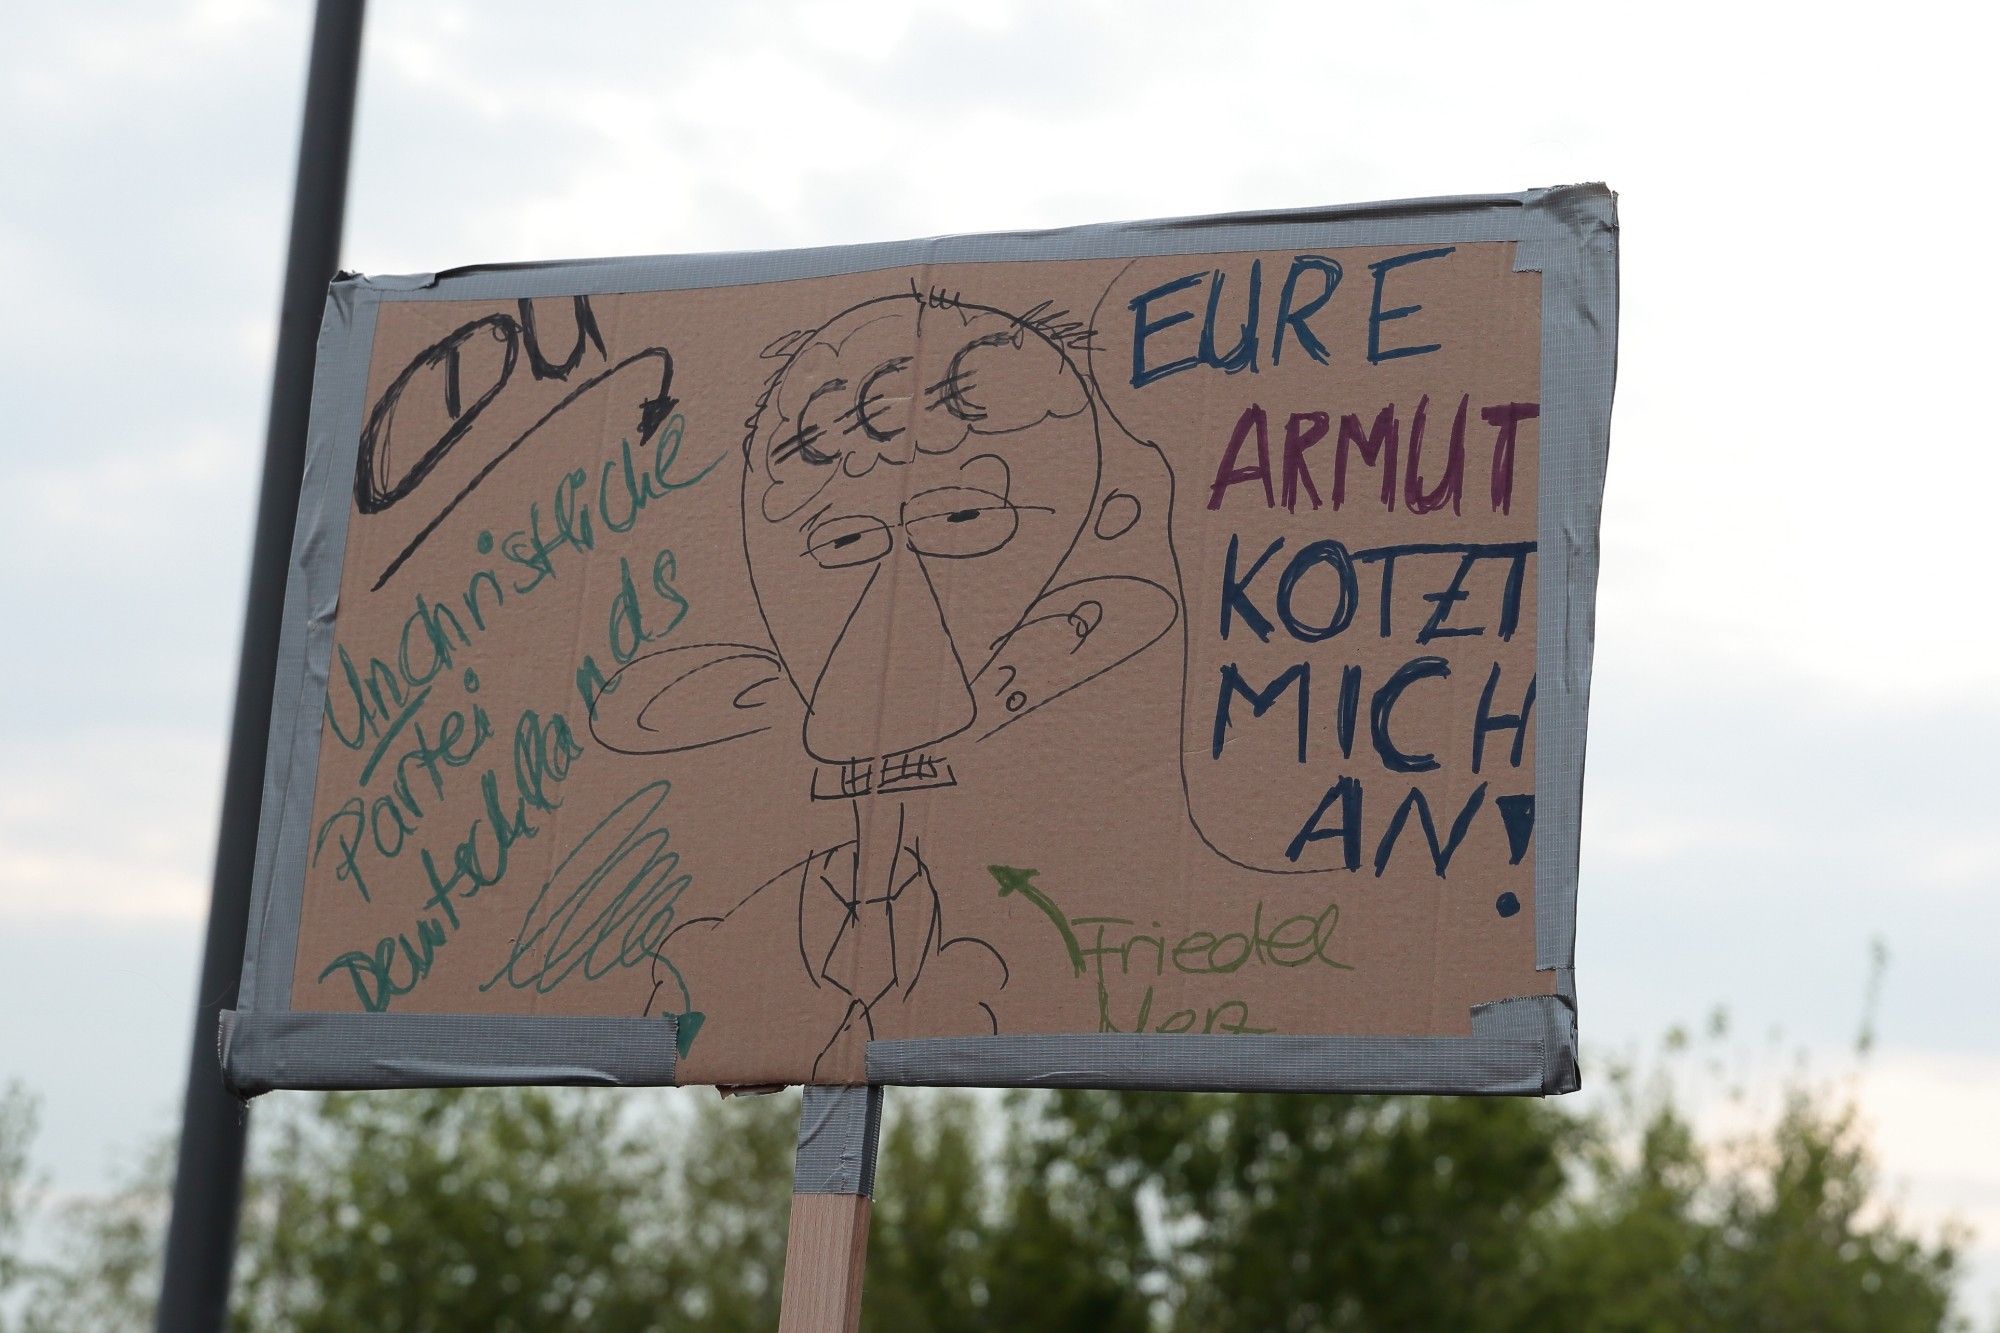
point(915, 476)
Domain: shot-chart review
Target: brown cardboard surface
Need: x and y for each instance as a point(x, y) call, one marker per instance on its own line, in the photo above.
point(841, 659)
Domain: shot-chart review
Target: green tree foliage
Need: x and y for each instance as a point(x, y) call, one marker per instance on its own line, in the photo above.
point(96, 1267)
point(1781, 1229)
point(724, 1209)
point(1297, 1212)
point(515, 1209)
point(971, 1232)
point(570, 1209)
point(17, 1132)
point(1310, 1213)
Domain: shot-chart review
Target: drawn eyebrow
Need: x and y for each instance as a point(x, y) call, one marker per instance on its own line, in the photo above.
point(999, 502)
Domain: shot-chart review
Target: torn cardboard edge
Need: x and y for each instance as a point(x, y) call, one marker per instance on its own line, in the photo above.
point(1526, 1046)
point(1566, 233)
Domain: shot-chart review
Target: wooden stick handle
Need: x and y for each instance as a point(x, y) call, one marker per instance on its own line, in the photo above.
point(833, 1184)
point(825, 1255)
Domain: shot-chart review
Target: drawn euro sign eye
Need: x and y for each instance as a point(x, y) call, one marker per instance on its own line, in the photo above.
point(955, 522)
point(854, 539)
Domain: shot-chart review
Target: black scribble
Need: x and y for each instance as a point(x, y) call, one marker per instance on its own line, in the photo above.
point(385, 476)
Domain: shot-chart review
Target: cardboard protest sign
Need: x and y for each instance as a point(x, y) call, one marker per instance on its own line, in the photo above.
point(1151, 655)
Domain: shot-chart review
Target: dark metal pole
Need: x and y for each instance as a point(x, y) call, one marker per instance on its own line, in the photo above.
point(208, 1181)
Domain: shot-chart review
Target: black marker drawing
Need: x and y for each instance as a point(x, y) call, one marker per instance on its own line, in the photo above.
point(918, 475)
point(384, 475)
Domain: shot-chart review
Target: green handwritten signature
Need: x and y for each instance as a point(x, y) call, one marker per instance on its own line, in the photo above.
point(1112, 949)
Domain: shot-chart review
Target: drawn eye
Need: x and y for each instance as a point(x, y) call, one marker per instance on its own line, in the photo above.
point(954, 522)
point(853, 540)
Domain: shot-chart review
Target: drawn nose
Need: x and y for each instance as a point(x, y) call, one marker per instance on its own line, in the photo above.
point(893, 681)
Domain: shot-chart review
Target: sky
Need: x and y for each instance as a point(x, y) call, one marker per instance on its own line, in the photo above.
point(1796, 691)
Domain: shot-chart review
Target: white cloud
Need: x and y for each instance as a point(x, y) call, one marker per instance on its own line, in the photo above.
point(72, 885)
point(1627, 830)
point(1932, 1117)
point(122, 831)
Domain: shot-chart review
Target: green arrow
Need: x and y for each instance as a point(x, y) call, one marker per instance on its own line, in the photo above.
point(1018, 881)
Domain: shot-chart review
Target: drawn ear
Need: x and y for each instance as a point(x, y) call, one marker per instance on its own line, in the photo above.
point(1073, 634)
point(687, 698)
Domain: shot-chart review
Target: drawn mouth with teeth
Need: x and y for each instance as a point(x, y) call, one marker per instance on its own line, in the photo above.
point(911, 770)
